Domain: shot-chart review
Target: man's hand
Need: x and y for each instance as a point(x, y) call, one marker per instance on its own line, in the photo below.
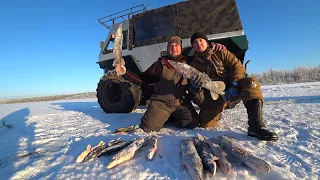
point(218, 47)
point(195, 84)
point(120, 69)
point(196, 81)
point(232, 93)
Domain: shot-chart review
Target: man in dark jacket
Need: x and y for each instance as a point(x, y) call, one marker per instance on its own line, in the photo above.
point(224, 66)
point(169, 93)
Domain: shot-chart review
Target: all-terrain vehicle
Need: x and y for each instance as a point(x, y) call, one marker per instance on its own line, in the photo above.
point(145, 36)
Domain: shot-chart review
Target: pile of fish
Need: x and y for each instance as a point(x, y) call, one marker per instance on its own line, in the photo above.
point(122, 150)
point(197, 153)
point(200, 152)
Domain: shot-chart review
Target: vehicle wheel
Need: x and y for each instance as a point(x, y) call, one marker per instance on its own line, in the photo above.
point(116, 95)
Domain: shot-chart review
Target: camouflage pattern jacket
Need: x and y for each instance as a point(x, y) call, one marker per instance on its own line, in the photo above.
point(169, 85)
point(219, 66)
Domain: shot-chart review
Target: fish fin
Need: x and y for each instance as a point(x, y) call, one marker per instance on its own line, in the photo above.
point(221, 85)
point(215, 158)
point(101, 143)
point(257, 164)
point(201, 138)
point(153, 133)
point(214, 95)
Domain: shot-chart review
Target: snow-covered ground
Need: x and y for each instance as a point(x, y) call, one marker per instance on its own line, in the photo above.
point(46, 138)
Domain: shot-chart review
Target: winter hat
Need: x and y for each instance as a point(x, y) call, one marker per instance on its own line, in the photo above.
point(197, 35)
point(175, 39)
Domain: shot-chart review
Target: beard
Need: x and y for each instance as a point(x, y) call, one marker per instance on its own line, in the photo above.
point(175, 57)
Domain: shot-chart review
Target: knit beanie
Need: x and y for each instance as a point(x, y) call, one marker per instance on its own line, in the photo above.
point(197, 35)
point(175, 39)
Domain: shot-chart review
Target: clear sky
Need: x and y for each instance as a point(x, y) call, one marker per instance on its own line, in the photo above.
point(51, 47)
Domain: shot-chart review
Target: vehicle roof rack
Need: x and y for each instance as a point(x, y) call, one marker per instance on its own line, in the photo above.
point(126, 14)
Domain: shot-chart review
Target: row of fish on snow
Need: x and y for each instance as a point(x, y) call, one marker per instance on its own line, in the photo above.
point(197, 153)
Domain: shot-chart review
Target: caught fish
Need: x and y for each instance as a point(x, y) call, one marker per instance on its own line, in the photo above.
point(129, 129)
point(191, 160)
point(106, 149)
point(152, 146)
point(112, 148)
point(244, 155)
point(223, 161)
point(206, 155)
point(117, 50)
point(101, 149)
point(82, 157)
point(126, 153)
point(216, 88)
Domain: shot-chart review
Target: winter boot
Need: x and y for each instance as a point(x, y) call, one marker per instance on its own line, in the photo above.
point(257, 127)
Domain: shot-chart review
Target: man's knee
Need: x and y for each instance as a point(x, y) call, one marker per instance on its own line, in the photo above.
point(147, 127)
point(186, 116)
point(250, 89)
point(210, 118)
point(155, 117)
point(210, 123)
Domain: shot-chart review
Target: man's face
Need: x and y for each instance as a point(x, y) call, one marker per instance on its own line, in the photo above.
point(200, 45)
point(174, 49)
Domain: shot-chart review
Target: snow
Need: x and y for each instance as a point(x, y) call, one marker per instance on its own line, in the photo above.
point(46, 138)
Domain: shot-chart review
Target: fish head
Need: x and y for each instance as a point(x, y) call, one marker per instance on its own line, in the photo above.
point(225, 166)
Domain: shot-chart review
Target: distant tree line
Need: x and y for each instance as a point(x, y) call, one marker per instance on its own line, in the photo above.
point(296, 75)
point(51, 98)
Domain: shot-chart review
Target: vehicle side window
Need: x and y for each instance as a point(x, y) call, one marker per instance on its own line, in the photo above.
point(110, 45)
point(124, 39)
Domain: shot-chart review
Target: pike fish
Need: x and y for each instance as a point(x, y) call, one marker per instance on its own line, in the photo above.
point(129, 129)
point(102, 149)
point(191, 160)
point(126, 153)
point(152, 146)
point(117, 50)
point(84, 154)
point(206, 155)
point(245, 156)
point(216, 88)
point(223, 161)
point(107, 149)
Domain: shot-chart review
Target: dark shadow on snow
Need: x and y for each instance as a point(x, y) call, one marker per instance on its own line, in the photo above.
point(115, 120)
point(11, 138)
point(297, 99)
point(93, 109)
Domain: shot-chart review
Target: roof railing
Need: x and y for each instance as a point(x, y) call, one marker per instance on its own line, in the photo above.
point(126, 14)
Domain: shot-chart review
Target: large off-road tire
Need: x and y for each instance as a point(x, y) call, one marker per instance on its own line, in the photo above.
point(116, 95)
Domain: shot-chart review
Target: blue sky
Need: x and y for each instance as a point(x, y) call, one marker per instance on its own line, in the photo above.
point(51, 47)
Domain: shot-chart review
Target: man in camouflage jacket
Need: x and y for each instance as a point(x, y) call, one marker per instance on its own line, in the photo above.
point(224, 66)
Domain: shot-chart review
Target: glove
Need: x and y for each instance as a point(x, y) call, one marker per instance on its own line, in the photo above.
point(195, 84)
point(232, 92)
point(196, 81)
